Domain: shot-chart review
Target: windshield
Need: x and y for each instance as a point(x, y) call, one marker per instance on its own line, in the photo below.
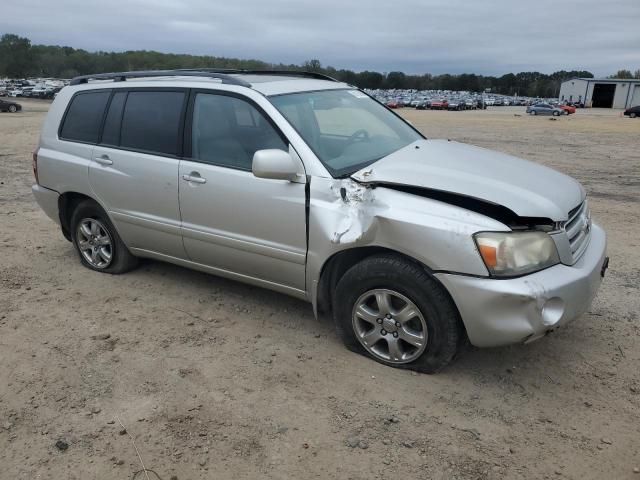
point(346, 129)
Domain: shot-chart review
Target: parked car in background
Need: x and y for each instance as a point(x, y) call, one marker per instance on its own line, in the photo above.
point(455, 105)
point(545, 109)
point(15, 92)
point(393, 104)
point(439, 104)
point(569, 109)
point(38, 92)
point(8, 106)
point(633, 112)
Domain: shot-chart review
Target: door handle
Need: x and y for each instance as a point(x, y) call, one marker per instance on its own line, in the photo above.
point(194, 177)
point(104, 160)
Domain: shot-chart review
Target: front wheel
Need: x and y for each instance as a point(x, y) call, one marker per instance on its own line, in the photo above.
point(391, 310)
point(555, 114)
point(533, 112)
point(632, 115)
point(97, 241)
point(12, 109)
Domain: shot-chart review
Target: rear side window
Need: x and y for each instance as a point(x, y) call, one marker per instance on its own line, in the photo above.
point(151, 121)
point(84, 117)
point(111, 131)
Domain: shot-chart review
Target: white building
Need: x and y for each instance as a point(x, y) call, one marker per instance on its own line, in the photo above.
point(602, 92)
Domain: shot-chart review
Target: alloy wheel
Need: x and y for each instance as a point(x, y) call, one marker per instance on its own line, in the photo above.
point(94, 242)
point(389, 326)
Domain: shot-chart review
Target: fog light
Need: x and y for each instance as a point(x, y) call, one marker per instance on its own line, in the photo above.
point(552, 311)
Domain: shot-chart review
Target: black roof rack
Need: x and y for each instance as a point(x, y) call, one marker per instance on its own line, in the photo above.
point(284, 73)
point(222, 74)
point(122, 76)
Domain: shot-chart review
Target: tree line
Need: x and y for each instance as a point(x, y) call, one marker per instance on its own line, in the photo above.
point(20, 59)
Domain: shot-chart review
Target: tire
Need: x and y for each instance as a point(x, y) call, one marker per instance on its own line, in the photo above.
point(632, 115)
point(13, 108)
point(436, 324)
point(533, 112)
point(556, 114)
point(105, 252)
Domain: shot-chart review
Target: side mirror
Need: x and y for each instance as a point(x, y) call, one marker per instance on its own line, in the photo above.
point(274, 164)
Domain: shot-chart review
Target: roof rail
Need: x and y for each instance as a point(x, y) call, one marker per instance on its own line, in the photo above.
point(285, 73)
point(122, 76)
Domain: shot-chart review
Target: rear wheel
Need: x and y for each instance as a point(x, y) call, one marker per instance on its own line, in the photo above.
point(13, 108)
point(97, 241)
point(391, 310)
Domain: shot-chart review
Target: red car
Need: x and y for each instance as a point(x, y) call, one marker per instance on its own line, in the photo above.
point(568, 108)
point(439, 105)
point(393, 104)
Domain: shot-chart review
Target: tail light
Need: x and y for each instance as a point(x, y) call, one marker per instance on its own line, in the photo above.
point(35, 165)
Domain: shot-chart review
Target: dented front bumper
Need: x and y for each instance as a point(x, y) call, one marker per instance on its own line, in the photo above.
point(501, 312)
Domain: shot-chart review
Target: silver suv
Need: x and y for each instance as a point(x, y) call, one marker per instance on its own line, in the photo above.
point(308, 186)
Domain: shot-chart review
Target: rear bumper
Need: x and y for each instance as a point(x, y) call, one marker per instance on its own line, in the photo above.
point(48, 201)
point(502, 312)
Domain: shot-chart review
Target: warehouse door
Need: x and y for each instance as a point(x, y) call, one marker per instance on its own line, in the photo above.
point(603, 95)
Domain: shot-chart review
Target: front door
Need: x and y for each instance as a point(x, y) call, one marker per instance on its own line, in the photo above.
point(231, 220)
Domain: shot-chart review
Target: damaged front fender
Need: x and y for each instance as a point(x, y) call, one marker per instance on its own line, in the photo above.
point(355, 205)
point(345, 214)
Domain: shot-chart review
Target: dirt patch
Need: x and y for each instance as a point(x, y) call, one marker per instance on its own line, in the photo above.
point(215, 379)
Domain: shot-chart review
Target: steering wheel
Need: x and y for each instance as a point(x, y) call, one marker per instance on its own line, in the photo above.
point(358, 135)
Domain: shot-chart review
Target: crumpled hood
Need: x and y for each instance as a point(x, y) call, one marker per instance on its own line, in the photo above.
point(526, 188)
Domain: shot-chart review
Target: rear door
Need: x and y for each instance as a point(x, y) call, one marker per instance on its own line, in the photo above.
point(134, 168)
point(233, 221)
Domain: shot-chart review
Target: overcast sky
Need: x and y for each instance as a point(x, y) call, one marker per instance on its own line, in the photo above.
point(416, 36)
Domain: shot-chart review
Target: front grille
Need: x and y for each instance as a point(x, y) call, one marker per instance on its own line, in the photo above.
point(578, 229)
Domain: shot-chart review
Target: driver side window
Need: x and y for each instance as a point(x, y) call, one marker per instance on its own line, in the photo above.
point(227, 131)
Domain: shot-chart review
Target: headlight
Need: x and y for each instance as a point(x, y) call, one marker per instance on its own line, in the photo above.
point(508, 254)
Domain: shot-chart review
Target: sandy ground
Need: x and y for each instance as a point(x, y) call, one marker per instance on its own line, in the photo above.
point(215, 379)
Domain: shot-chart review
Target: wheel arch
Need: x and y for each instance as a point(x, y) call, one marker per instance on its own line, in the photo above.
point(337, 265)
point(67, 203)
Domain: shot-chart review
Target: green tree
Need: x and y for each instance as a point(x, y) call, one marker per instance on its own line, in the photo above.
point(346, 76)
point(16, 59)
point(622, 74)
point(395, 80)
point(313, 65)
point(369, 79)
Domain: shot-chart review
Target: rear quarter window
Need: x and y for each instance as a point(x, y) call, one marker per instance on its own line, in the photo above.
point(83, 119)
